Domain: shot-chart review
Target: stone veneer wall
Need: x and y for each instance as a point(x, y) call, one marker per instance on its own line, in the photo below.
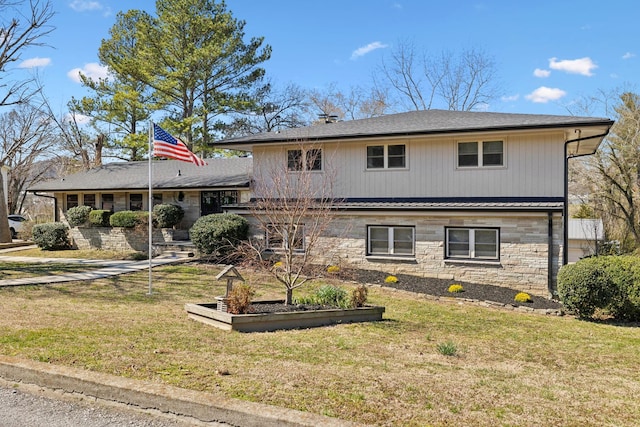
point(523, 264)
point(117, 238)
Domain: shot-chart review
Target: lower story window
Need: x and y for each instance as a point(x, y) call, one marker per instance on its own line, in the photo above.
point(285, 236)
point(72, 201)
point(472, 243)
point(135, 202)
point(89, 200)
point(390, 240)
point(107, 202)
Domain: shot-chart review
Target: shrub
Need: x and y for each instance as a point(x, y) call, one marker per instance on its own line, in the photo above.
point(331, 295)
point(333, 269)
point(455, 288)
point(522, 297)
point(167, 215)
point(584, 286)
point(128, 219)
point(78, 215)
point(218, 234)
point(391, 279)
point(51, 236)
point(239, 301)
point(609, 283)
point(359, 296)
point(99, 217)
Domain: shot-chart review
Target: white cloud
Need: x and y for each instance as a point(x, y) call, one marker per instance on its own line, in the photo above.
point(510, 98)
point(361, 51)
point(628, 55)
point(582, 66)
point(84, 5)
point(545, 94)
point(81, 119)
point(35, 62)
point(92, 70)
point(539, 72)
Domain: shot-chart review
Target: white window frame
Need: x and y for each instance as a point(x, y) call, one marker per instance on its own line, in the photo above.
point(304, 160)
point(480, 152)
point(471, 252)
point(386, 157)
point(284, 244)
point(391, 249)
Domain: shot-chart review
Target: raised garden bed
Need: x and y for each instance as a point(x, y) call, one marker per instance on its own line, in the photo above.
point(277, 320)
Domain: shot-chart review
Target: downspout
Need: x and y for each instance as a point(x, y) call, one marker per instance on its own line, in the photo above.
point(56, 217)
point(550, 254)
point(565, 208)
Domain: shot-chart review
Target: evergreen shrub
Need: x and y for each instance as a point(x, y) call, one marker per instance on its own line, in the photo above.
point(129, 219)
point(78, 215)
point(100, 218)
point(167, 216)
point(218, 234)
point(51, 236)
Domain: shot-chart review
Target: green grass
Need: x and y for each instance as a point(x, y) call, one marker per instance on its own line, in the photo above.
point(510, 369)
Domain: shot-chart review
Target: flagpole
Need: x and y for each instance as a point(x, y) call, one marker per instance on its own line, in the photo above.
point(150, 256)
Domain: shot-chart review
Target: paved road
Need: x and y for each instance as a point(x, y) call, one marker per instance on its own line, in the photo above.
point(23, 409)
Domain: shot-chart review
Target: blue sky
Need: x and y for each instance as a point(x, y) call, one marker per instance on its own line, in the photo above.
point(548, 52)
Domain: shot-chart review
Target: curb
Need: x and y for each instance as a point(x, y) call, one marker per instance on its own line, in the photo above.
point(142, 395)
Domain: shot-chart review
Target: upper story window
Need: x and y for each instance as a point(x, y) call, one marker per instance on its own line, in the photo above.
point(386, 156)
point(472, 243)
point(480, 154)
point(300, 160)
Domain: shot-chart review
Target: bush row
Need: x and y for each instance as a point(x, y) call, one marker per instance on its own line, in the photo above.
point(607, 283)
point(164, 216)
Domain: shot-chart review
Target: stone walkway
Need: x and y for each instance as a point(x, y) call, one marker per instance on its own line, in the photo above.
point(109, 267)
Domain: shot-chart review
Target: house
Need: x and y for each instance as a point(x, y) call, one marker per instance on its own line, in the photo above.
point(465, 196)
point(199, 190)
point(585, 237)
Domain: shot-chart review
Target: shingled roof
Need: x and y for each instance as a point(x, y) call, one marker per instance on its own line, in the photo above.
point(167, 174)
point(429, 122)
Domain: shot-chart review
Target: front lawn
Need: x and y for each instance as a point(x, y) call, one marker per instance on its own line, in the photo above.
point(427, 363)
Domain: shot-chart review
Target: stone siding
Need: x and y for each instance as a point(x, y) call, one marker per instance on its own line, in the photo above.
point(524, 248)
point(117, 238)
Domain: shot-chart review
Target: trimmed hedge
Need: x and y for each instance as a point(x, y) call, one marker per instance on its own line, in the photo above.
point(607, 283)
point(51, 236)
point(78, 215)
point(218, 234)
point(166, 215)
point(99, 217)
point(129, 219)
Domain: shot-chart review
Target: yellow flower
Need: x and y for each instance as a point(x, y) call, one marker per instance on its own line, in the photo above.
point(522, 297)
point(333, 269)
point(277, 264)
point(391, 279)
point(455, 288)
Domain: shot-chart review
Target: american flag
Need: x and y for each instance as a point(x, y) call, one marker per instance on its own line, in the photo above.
point(165, 145)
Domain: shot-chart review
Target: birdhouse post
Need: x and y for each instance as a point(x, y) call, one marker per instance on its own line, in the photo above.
point(230, 274)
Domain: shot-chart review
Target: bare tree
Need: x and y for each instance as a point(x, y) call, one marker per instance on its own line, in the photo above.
point(22, 25)
point(26, 137)
point(356, 103)
point(615, 181)
point(462, 82)
point(291, 215)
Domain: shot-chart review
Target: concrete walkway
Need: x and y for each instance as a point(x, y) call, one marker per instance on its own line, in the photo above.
point(109, 267)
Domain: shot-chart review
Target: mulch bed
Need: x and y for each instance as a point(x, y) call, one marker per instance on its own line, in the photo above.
point(439, 288)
